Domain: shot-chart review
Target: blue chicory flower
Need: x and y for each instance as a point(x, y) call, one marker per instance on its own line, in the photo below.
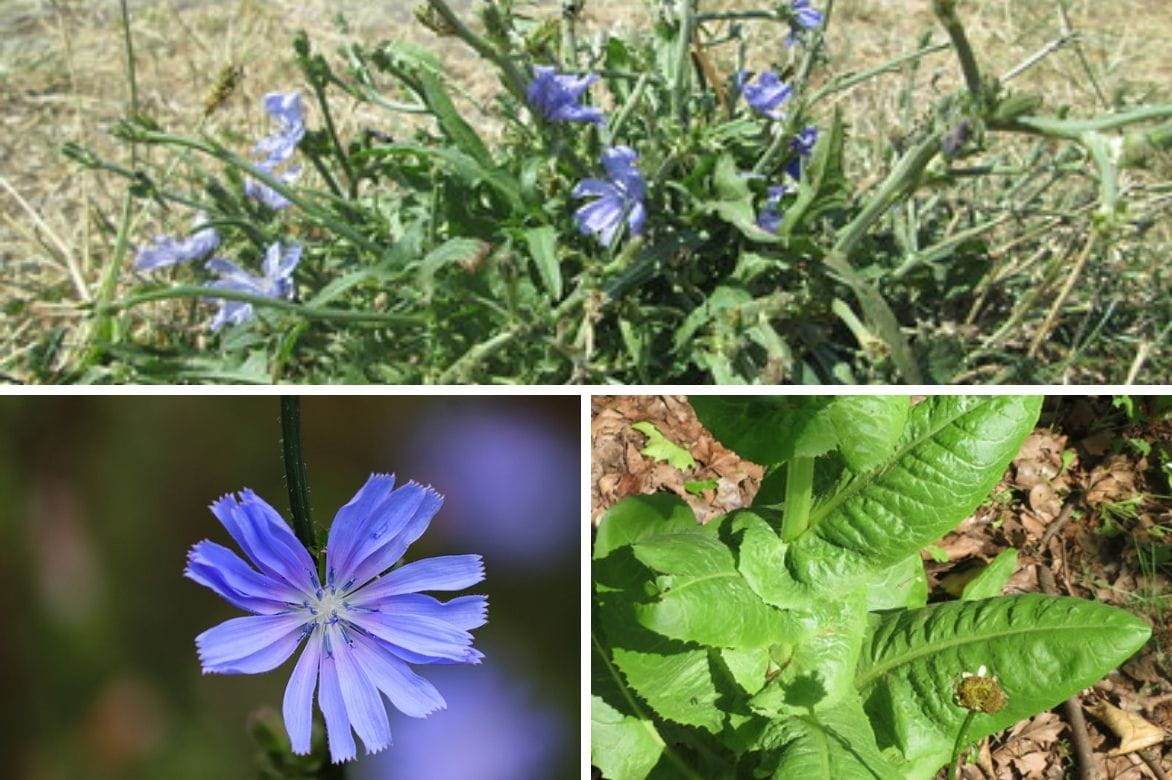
point(770, 217)
point(287, 110)
point(804, 18)
point(618, 199)
point(765, 94)
point(556, 97)
point(258, 190)
point(361, 630)
point(170, 251)
point(802, 145)
point(277, 282)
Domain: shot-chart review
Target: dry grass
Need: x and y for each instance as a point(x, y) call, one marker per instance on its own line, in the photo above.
point(63, 78)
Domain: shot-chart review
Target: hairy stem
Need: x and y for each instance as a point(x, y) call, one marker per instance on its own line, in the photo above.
point(295, 471)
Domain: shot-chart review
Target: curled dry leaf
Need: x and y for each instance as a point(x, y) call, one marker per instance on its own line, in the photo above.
point(1134, 732)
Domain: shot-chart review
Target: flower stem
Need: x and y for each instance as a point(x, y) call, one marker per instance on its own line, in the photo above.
point(964, 728)
point(295, 471)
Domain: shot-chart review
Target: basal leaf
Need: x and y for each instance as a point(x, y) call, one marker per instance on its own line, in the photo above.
point(952, 452)
point(1042, 649)
point(903, 585)
point(834, 744)
point(770, 430)
point(992, 579)
point(623, 747)
point(703, 598)
point(674, 678)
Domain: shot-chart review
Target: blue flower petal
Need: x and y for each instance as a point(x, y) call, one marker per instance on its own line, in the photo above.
point(215, 566)
point(465, 612)
point(382, 540)
point(368, 714)
point(351, 519)
point(444, 572)
point(418, 634)
point(297, 707)
point(409, 693)
point(267, 539)
point(251, 644)
point(333, 707)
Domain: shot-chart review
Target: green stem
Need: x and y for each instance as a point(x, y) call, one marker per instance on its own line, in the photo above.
point(308, 312)
point(128, 44)
point(799, 493)
point(946, 13)
point(514, 79)
point(681, 79)
point(295, 471)
point(964, 727)
point(1074, 128)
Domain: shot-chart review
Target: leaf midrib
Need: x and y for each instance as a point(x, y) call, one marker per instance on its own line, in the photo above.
point(881, 669)
point(824, 509)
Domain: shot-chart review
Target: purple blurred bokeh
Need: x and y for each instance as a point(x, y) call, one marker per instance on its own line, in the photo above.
point(510, 478)
point(495, 728)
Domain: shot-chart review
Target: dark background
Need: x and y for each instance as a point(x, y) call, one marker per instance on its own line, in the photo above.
point(102, 497)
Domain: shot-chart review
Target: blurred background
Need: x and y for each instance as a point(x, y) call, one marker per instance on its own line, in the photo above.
point(104, 496)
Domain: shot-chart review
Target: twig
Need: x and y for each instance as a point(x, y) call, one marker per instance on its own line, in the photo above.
point(1056, 526)
point(1065, 39)
point(1072, 707)
point(1153, 764)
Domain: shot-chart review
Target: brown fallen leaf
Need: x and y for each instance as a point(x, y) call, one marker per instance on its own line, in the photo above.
point(1134, 732)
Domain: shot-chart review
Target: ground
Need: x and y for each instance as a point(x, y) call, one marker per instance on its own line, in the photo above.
point(1084, 500)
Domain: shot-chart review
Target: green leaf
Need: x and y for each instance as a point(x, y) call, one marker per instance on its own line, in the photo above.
point(1042, 649)
point(675, 679)
point(835, 744)
point(952, 452)
point(703, 598)
point(992, 579)
point(451, 251)
point(696, 487)
point(720, 300)
point(903, 585)
point(449, 118)
point(623, 747)
point(823, 186)
point(543, 249)
point(660, 447)
point(770, 430)
point(734, 203)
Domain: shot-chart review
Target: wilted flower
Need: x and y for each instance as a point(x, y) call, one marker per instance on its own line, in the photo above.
point(766, 94)
point(170, 251)
point(804, 18)
point(802, 145)
point(556, 97)
point(621, 197)
point(980, 692)
point(277, 282)
point(361, 630)
point(286, 108)
point(770, 217)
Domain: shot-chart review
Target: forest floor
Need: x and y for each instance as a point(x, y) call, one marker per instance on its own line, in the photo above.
point(1086, 499)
